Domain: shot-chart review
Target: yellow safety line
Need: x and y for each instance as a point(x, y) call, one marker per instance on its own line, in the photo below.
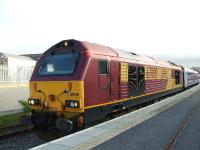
point(125, 99)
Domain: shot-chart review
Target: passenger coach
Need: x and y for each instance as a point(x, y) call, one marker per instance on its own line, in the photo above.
point(76, 83)
point(191, 77)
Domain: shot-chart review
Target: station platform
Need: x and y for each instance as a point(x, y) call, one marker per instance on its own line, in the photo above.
point(173, 123)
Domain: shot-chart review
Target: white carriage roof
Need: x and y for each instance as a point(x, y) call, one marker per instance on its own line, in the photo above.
point(190, 70)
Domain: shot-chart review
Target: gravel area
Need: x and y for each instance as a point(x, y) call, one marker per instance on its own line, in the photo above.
point(20, 141)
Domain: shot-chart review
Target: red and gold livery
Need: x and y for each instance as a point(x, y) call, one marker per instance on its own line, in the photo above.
point(79, 83)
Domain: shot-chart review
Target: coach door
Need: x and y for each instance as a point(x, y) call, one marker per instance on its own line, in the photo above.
point(114, 80)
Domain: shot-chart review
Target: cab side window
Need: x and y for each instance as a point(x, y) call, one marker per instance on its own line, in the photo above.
point(103, 67)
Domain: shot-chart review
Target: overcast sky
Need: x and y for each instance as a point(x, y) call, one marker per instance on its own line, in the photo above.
point(151, 27)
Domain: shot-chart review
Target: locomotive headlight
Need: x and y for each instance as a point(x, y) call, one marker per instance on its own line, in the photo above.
point(33, 101)
point(65, 44)
point(75, 104)
point(72, 103)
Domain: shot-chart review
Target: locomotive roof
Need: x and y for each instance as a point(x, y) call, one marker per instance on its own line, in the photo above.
point(113, 52)
point(104, 50)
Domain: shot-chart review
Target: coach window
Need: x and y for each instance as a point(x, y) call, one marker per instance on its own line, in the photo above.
point(103, 67)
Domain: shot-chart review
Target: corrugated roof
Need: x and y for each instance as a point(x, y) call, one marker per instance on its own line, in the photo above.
point(16, 56)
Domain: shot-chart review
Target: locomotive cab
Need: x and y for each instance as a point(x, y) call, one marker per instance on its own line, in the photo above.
point(57, 87)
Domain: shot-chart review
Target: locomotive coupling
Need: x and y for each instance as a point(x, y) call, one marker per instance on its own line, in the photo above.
point(43, 119)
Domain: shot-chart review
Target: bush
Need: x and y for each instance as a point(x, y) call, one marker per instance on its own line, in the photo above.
point(25, 104)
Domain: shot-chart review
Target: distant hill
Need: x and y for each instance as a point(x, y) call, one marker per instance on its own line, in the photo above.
point(33, 56)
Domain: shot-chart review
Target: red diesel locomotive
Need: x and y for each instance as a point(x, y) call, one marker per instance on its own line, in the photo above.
point(77, 83)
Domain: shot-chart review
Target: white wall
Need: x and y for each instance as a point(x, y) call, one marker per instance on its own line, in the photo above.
point(19, 71)
point(9, 97)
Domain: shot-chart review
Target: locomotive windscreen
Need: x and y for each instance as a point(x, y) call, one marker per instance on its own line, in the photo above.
point(59, 64)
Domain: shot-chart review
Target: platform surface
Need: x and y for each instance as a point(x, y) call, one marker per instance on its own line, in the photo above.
point(173, 123)
point(176, 128)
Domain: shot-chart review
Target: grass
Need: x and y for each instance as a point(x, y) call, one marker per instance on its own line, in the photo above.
point(9, 121)
point(12, 120)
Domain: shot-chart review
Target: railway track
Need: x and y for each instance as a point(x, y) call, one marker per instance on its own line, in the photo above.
point(25, 137)
point(13, 130)
point(20, 141)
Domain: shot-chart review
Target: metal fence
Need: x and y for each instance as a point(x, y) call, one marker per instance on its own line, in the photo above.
point(15, 75)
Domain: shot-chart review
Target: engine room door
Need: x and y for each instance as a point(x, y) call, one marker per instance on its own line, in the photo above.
point(114, 80)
